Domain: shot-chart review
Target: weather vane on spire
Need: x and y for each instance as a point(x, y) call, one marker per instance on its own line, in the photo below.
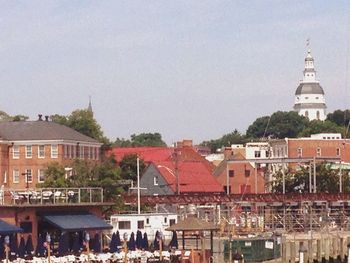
point(308, 42)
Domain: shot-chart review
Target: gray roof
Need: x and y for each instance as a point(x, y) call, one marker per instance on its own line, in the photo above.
point(309, 88)
point(40, 130)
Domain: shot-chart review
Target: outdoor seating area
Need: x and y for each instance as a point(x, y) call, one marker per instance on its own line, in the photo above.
point(71, 248)
point(49, 196)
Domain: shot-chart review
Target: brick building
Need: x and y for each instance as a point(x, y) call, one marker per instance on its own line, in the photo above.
point(242, 178)
point(27, 147)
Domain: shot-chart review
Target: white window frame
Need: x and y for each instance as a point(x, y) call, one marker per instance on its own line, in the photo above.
point(15, 176)
point(5, 177)
point(28, 175)
point(15, 151)
point(54, 152)
point(39, 173)
point(29, 153)
point(155, 180)
point(41, 154)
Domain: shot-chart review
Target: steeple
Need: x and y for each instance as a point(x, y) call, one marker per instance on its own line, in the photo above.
point(90, 106)
point(309, 71)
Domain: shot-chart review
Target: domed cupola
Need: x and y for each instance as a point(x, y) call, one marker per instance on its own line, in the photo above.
point(309, 96)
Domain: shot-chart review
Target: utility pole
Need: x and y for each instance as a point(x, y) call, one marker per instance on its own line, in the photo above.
point(315, 190)
point(176, 155)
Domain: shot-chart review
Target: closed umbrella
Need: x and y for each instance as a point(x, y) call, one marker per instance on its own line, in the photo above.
point(156, 241)
point(40, 249)
point(63, 244)
point(138, 239)
point(13, 245)
point(77, 246)
point(145, 242)
point(29, 248)
point(174, 242)
point(112, 246)
point(2, 247)
point(118, 242)
point(22, 248)
point(96, 245)
point(132, 244)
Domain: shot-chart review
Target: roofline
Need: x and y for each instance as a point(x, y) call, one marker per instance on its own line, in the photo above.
point(38, 142)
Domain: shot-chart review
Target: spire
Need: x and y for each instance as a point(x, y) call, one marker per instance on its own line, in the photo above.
point(90, 106)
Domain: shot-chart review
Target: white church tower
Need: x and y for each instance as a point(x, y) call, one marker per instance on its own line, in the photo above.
point(309, 96)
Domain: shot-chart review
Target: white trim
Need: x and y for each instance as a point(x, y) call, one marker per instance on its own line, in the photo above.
point(54, 156)
point(26, 176)
point(27, 152)
point(40, 181)
point(13, 176)
point(37, 142)
point(41, 157)
point(13, 152)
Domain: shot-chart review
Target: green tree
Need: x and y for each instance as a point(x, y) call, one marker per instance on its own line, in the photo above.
point(84, 122)
point(234, 137)
point(339, 117)
point(140, 140)
point(279, 125)
point(128, 166)
point(317, 126)
point(55, 176)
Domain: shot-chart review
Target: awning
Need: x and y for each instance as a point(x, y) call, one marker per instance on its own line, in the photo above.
point(76, 222)
point(6, 228)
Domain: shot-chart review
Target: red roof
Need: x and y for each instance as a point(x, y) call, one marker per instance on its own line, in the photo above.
point(147, 154)
point(194, 176)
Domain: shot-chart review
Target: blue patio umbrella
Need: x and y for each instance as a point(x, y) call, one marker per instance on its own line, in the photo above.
point(145, 242)
point(138, 239)
point(131, 243)
point(22, 248)
point(76, 246)
point(112, 246)
point(13, 245)
point(118, 242)
point(40, 249)
point(29, 246)
point(156, 241)
point(63, 244)
point(174, 242)
point(96, 244)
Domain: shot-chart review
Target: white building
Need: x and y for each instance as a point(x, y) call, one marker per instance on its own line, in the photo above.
point(309, 96)
point(149, 223)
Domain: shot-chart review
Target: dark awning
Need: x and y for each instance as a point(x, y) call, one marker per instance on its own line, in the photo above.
point(6, 228)
point(76, 222)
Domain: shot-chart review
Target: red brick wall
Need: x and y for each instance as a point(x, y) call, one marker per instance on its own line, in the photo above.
point(240, 181)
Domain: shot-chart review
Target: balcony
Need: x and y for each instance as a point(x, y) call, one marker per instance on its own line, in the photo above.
point(51, 196)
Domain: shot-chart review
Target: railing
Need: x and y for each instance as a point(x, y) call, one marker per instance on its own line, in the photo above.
point(51, 196)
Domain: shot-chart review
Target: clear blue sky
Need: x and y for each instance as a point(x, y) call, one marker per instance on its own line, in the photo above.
point(186, 69)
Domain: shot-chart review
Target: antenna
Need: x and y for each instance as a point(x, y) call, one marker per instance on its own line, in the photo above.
point(267, 125)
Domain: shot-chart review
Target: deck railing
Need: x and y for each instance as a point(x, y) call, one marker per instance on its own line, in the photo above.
point(51, 196)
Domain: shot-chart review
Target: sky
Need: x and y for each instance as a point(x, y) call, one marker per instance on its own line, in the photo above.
point(186, 69)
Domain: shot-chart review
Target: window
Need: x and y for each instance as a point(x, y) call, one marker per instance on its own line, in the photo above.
point(66, 151)
point(15, 151)
point(165, 220)
point(54, 151)
point(300, 152)
point(124, 225)
point(257, 154)
point(41, 151)
point(28, 151)
point(147, 221)
point(41, 175)
point(247, 173)
point(338, 152)
point(172, 222)
point(306, 98)
point(15, 176)
point(317, 115)
point(140, 224)
point(267, 153)
point(28, 176)
point(231, 173)
point(229, 189)
point(155, 180)
point(318, 151)
point(81, 152)
point(5, 177)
